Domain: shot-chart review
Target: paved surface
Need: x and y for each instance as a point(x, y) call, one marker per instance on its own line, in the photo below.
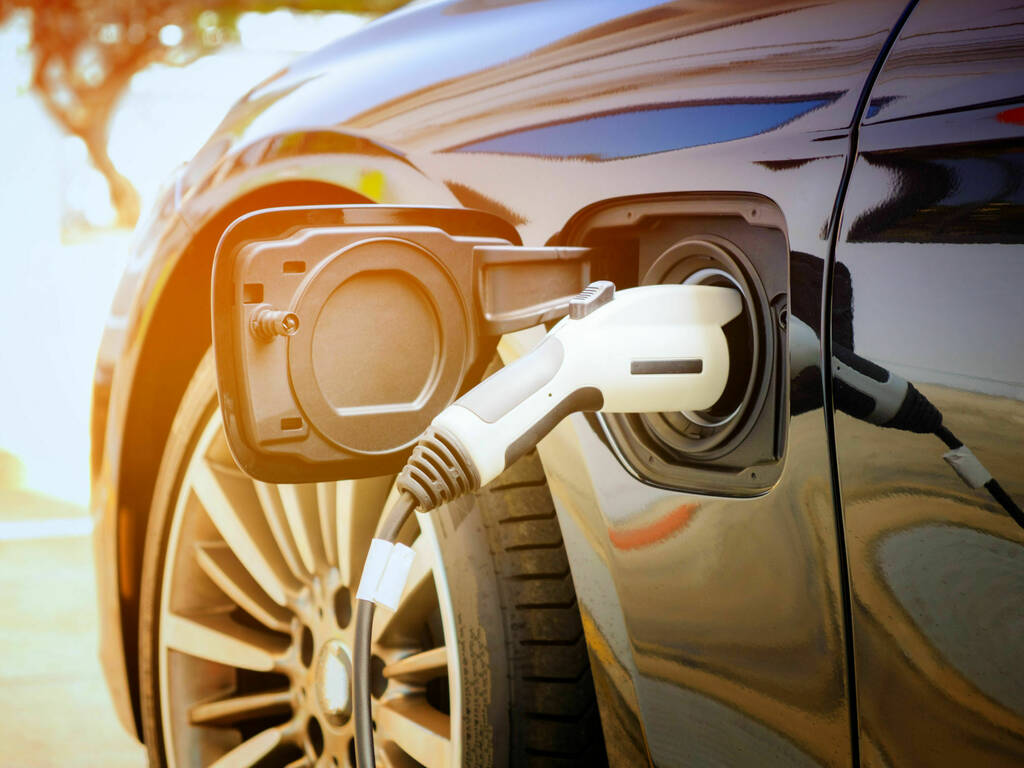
point(54, 706)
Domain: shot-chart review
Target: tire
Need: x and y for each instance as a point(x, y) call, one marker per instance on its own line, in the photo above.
point(522, 622)
point(246, 618)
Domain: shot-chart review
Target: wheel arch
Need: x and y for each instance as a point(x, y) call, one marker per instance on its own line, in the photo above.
point(176, 336)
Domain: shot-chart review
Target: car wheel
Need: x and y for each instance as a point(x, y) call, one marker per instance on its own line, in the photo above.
point(247, 620)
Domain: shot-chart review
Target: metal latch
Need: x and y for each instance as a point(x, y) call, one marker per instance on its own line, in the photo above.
point(520, 286)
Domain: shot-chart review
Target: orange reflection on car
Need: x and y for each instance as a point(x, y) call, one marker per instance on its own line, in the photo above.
point(659, 530)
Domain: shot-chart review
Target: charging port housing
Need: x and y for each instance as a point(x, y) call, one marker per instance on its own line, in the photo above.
point(736, 446)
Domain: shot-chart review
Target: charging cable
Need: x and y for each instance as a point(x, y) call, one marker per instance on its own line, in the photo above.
point(654, 348)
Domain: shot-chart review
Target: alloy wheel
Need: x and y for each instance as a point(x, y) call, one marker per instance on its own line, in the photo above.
point(256, 625)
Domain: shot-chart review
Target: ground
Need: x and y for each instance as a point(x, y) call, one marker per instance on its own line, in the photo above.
point(54, 705)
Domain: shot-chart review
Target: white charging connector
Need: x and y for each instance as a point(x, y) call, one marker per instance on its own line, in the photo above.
point(654, 348)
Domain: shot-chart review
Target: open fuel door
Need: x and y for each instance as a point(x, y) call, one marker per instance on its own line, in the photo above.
point(341, 331)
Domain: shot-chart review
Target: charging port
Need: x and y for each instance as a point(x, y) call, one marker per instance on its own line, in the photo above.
point(733, 447)
point(708, 260)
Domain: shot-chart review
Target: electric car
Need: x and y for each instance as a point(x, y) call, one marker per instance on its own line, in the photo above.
point(825, 567)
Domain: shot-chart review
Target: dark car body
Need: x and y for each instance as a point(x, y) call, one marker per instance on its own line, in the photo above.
point(869, 607)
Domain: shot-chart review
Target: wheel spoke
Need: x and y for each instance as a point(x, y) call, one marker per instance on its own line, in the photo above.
point(327, 511)
point(225, 497)
point(417, 598)
point(251, 751)
point(230, 575)
point(216, 637)
point(391, 756)
point(414, 725)
point(273, 510)
point(420, 667)
point(357, 507)
point(300, 510)
point(219, 465)
point(235, 708)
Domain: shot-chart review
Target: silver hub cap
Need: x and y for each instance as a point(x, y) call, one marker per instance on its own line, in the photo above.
point(333, 683)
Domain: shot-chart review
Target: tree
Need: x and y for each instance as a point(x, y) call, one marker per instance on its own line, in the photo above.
point(85, 53)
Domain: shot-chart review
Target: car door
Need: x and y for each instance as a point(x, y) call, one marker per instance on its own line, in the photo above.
point(931, 242)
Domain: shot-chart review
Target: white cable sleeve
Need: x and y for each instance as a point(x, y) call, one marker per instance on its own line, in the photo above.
point(966, 464)
point(373, 569)
point(385, 573)
point(396, 572)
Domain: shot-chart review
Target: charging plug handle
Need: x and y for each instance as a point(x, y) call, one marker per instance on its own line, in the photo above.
point(654, 348)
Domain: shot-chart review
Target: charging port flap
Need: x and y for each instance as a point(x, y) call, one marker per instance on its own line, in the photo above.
point(341, 331)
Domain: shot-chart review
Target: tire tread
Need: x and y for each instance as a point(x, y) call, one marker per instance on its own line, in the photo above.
point(555, 721)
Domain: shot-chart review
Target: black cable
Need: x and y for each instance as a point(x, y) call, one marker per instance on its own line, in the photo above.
point(361, 685)
point(389, 529)
point(1004, 500)
point(996, 491)
point(952, 441)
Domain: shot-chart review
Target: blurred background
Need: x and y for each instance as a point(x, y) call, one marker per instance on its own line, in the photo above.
point(99, 102)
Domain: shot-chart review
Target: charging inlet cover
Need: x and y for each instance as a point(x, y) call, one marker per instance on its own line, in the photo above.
point(387, 333)
point(340, 332)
